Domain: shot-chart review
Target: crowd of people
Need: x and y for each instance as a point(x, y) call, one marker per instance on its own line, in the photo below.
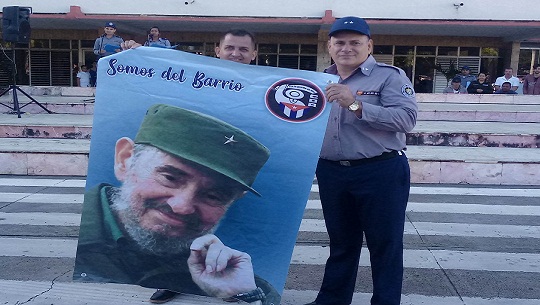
point(465, 83)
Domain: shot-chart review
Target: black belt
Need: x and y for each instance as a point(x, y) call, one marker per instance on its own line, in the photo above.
point(383, 156)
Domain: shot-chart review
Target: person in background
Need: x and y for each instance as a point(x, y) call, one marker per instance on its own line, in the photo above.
point(455, 87)
point(531, 82)
point(506, 88)
point(235, 45)
point(507, 77)
point(466, 77)
point(480, 86)
point(363, 173)
point(93, 74)
point(83, 77)
point(155, 40)
point(108, 43)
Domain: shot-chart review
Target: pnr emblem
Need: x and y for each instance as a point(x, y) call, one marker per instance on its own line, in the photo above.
point(295, 100)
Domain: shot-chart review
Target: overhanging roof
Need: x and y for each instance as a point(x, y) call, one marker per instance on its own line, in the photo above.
point(136, 24)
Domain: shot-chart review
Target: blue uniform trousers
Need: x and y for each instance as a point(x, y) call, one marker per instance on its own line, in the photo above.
point(368, 199)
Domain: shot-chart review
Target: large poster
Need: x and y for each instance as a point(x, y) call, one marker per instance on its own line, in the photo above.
point(186, 147)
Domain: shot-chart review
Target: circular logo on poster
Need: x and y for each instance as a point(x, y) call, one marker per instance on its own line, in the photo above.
point(295, 100)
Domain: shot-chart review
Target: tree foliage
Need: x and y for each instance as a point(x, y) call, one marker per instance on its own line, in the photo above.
point(449, 73)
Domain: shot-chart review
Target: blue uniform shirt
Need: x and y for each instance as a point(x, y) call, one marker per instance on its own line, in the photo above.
point(161, 43)
point(107, 44)
point(388, 111)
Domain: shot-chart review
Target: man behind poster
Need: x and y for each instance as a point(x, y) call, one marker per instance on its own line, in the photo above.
point(179, 176)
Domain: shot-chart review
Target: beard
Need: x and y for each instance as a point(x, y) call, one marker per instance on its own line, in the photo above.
point(159, 242)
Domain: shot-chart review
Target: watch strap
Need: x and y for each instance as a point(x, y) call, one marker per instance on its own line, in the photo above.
point(251, 296)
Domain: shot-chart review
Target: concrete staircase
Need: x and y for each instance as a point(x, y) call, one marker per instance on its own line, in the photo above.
point(467, 139)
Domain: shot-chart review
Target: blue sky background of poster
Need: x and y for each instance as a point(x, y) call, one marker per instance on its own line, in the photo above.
point(265, 227)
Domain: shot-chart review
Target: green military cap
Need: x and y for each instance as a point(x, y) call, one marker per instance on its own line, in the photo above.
point(204, 140)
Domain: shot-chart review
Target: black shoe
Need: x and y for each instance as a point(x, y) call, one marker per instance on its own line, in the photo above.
point(162, 296)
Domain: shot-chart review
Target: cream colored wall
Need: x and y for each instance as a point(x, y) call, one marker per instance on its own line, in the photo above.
point(389, 9)
point(438, 9)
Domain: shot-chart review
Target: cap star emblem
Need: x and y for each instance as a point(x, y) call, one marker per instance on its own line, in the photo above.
point(230, 140)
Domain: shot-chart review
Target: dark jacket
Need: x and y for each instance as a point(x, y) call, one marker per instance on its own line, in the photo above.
point(104, 254)
point(531, 85)
point(486, 88)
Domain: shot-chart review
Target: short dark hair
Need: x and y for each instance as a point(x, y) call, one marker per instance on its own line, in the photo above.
point(154, 27)
point(536, 66)
point(239, 33)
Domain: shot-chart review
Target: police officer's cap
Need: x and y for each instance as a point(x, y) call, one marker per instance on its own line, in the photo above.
point(110, 25)
point(353, 24)
point(204, 140)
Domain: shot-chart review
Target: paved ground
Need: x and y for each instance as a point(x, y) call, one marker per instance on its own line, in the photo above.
point(464, 245)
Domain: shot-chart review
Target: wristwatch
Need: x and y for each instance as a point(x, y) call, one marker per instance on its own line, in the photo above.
point(354, 106)
point(255, 297)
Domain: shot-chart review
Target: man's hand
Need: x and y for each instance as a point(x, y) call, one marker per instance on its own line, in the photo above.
point(219, 270)
point(130, 44)
point(340, 94)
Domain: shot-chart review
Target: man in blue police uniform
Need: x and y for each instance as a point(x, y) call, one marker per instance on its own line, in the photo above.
point(466, 77)
point(108, 43)
point(363, 173)
point(155, 39)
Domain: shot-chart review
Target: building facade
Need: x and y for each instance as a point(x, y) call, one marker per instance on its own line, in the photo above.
point(425, 38)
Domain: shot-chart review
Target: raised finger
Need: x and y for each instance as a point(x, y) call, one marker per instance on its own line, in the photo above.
point(204, 242)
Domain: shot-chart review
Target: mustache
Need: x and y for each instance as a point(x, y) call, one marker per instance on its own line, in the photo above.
point(193, 222)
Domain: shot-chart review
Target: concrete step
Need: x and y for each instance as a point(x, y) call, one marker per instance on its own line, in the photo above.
point(509, 99)
point(428, 111)
point(74, 100)
point(436, 133)
point(56, 104)
point(436, 111)
point(447, 107)
point(59, 126)
point(429, 164)
point(38, 156)
point(475, 134)
point(474, 165)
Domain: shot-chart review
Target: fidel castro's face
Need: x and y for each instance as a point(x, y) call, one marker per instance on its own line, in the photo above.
point(176, 197)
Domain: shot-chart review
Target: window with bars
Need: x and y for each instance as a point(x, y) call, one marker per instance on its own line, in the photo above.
point(43, 62)
point(293, 56)
point(13, 66)
point(420, 62)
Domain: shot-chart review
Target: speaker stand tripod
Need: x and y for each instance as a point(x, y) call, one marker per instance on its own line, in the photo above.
point(14, 88)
